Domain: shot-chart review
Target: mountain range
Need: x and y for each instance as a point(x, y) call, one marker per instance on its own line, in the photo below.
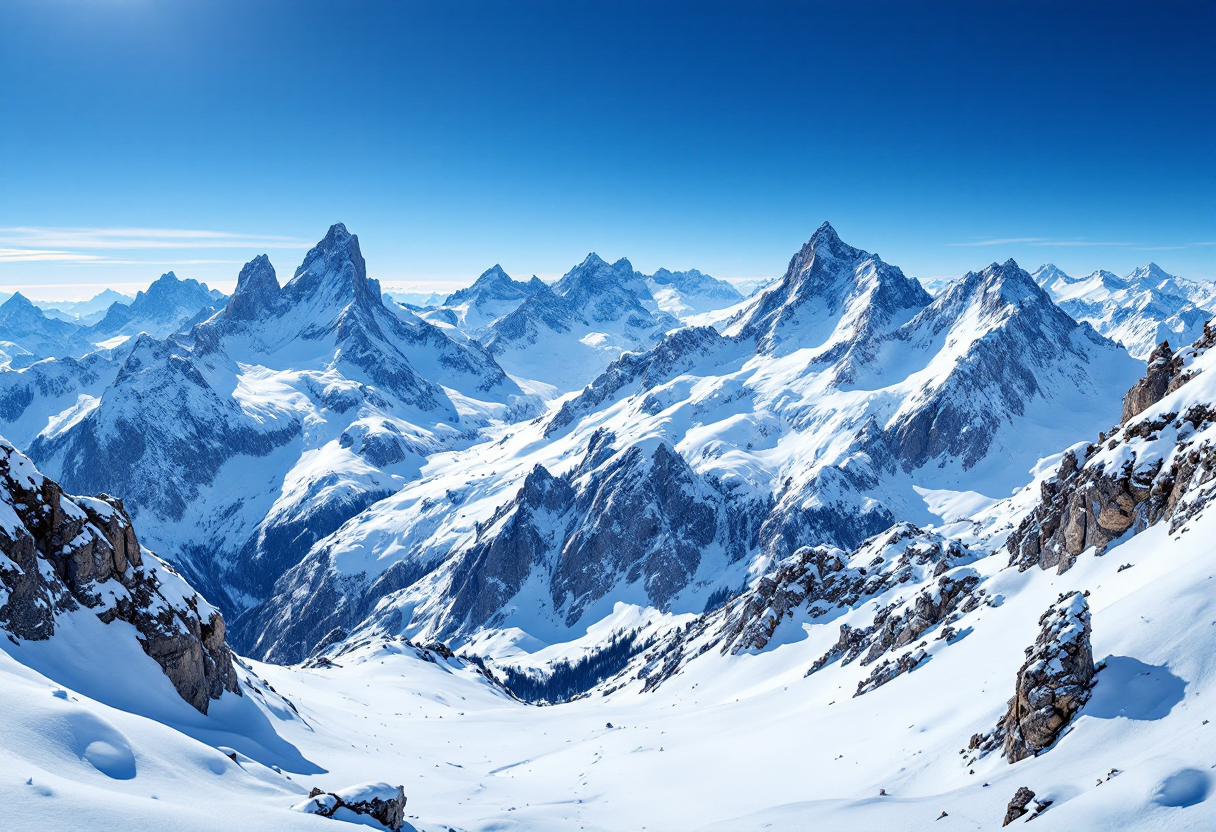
point(892, 559)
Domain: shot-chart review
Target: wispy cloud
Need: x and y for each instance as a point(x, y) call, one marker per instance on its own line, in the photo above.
point(999, 242)
point(30, 255)
point(134, 239)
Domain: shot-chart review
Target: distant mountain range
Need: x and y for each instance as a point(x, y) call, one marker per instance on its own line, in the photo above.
point(32, 331)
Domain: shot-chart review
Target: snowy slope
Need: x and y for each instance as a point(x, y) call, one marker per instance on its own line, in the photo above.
point(827, 408)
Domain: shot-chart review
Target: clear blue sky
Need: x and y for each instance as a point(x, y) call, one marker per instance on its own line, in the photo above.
point(136, 136)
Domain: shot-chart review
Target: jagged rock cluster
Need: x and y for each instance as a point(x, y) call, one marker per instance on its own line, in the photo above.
point(1095, 499)
point(61, 553)
point(1052, 685)
point(380, 802)
point(816, 580)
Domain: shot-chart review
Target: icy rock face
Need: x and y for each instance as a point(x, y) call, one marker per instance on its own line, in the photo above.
point(257, 291)
point(61, 553)
point(379, 802)
point(624, 517)
point(1055, 681)
point(1159, 468)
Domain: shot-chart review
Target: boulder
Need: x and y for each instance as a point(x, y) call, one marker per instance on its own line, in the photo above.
point(1054, 682)
point(381, 802)
point(1017, 806)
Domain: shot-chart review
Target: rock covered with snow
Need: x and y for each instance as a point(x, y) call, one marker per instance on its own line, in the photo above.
point(1054, 682)
point(62, 553)
point(1159, 464)
point(378, 802)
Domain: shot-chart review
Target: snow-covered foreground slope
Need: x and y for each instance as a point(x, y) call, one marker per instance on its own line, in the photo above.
point(734, 742)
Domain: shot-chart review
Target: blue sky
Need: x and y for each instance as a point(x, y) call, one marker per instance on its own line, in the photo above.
point(138, 137)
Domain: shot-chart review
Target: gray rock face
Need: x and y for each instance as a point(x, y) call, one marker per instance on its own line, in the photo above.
point(257, 291)
point(63, 553)
point(1055, 681)
point(1017, 806)
point(1090, 504)
point(1153, 387)
point(620, 517)
point(817, 580)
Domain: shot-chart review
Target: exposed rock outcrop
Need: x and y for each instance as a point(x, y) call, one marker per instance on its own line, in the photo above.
point(61, 553)
point(1053, 683)
point(381, 802)
point(816, 580)
point(1017, 806)
point(1146, 471)
point(1162, 368)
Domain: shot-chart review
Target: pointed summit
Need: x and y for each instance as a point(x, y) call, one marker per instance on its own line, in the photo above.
point(257, 291)
point(335, 265)
point(826, 282)
point(18, 302)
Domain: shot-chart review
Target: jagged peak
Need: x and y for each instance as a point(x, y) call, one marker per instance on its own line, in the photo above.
point(18, 301)
point(257, 288)
point(1007, 281)
point(335, 261)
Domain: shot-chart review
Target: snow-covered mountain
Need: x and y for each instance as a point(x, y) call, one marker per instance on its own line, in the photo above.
point(86, 312)
point(1139, 311)
point(28, 335)
point(169, 305)
point(839, 401)
point(565, 335)
point(685, 294)
point(274, 421)
point(473, 309)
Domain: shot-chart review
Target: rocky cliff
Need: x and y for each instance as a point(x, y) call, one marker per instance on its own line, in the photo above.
point(64, 553)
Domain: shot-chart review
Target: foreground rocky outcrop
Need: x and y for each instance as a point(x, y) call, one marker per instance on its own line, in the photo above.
point(1054, 682)
point(62, 553)
point(380, 802)
point(1159, 467)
